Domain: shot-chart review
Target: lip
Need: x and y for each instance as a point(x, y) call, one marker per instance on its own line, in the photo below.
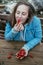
point(19, 21)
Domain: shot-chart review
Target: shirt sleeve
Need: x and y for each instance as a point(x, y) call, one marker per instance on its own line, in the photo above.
point(9, 32)
point(37, 38)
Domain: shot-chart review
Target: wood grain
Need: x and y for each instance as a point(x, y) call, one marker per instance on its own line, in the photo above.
point(13, 46)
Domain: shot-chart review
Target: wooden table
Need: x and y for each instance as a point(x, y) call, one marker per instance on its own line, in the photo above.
point(7, 47)
point(4, 16)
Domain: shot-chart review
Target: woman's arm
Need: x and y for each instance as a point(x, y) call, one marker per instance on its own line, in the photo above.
point(37, 37)
point(9, 32)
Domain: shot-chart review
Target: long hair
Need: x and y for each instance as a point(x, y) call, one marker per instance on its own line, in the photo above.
point(30, 15)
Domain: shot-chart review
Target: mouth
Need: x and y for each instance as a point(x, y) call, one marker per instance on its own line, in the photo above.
point(19, 20)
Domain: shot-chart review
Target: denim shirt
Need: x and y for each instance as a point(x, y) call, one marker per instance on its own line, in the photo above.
point(32, 33)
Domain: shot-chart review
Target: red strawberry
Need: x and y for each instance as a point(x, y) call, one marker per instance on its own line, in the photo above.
point(31, 56)
point(9, 56)
point(21, 53)
point(18, 21)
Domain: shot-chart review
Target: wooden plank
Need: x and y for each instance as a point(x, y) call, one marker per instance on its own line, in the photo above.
point(5, 16)
point(2, 31)
point(2, 5)
point(14, 46)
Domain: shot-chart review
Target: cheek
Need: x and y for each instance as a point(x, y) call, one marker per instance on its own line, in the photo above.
point(16, 17)
point(25, 18)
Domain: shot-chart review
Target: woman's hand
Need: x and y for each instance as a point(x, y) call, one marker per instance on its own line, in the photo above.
point(21, 54)
point(18, 27)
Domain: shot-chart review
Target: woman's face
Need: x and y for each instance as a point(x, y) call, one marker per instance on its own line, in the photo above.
point(22, 13)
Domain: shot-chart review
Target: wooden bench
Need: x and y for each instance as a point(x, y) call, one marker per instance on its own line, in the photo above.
point(3, 18)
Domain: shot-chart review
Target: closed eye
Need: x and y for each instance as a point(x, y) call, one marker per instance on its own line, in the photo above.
point(24, 13)
point(18, 12)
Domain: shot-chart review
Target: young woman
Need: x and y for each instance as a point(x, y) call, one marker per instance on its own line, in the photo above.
point(24, 27)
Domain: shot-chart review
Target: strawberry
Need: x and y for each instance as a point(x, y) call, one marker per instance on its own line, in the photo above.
point(9, 56)
point(21, 53)
point(31, 56)
point(18, 21)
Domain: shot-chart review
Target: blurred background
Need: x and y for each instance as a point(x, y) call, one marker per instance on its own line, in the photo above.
point(37, 4)
point(6, 7)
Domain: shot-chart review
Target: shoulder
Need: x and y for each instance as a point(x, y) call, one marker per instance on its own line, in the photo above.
point(8, 24)
point(36, 20)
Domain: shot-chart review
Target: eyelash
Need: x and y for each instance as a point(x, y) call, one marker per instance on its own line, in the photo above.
point(22, 13)
point(17, 12)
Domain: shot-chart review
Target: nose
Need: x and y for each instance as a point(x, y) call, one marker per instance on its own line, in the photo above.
point(20, 15)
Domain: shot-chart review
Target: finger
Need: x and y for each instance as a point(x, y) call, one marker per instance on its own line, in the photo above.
point(17, 53)
point(21, 58)
point(20, 27)
point(18, 57)
point(18, 23)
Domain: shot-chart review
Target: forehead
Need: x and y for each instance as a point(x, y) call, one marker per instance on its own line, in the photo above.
point(22, 8)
